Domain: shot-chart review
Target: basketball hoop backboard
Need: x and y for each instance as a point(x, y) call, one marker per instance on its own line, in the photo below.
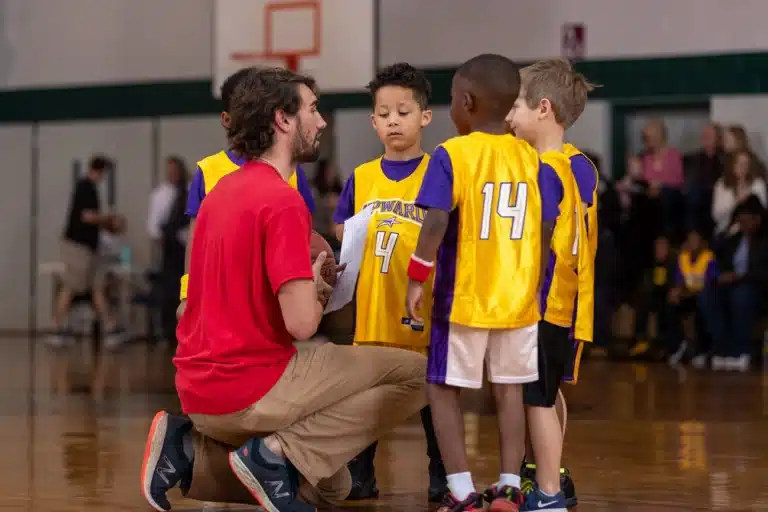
point(310, 36)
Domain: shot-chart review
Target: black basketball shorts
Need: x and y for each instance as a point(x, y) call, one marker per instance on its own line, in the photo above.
point(555, 347)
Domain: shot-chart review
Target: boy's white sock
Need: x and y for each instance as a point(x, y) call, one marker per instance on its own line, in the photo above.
point(510, 480)
point(461, 485)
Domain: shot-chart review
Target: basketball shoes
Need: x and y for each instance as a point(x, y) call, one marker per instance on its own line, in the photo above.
point(528, 472)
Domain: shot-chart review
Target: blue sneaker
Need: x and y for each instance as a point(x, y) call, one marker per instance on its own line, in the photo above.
point(274, 485)
point(537, 500)
point(165, 465)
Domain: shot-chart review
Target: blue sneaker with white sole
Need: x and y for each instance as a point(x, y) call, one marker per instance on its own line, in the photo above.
point(165, 464)
point(273, 483)
point(537, 500)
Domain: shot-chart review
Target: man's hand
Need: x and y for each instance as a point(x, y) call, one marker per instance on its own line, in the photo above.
point(323, 289)
point(180, 309)
point(413, 300)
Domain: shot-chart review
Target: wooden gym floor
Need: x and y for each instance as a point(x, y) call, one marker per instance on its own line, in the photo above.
point(640, 438)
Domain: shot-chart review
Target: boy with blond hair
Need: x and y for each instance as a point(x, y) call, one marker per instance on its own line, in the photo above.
point(552, 97)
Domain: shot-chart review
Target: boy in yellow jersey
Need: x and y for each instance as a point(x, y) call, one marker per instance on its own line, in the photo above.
point(552, 97)
point(214, 167)
point(391, 182)
point(488, 224)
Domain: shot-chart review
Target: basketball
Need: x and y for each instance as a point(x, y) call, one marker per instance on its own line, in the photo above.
point(317, 245)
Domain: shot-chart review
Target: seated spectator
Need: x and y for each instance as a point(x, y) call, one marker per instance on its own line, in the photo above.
point(743, 261)
point(327, 189)
point(702, 170)
point(741, 179)
point(663, 170)
point(653, 301)
point(691, 294)
point(735, 140)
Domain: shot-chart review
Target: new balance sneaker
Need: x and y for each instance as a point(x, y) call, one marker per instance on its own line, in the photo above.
point(165, 465)
point(473, 503)
point(438, 482)
point(528, 475)
point(537, 500)
point(504, 498)
point(269, 481)
point(363, 474)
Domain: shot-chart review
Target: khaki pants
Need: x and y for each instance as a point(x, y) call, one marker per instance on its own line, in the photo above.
point(331, 403)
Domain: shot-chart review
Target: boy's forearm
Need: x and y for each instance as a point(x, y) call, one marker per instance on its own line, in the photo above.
point(432, 232)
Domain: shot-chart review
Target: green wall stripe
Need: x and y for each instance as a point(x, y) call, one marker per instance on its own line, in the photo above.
point(675, 79)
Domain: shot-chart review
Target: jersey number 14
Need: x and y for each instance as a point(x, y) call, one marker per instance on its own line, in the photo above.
point(504, 209)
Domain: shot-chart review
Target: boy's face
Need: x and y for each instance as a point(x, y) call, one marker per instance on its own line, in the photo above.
point(461, 106)
point(694, 241)
point(661, 249)
point(522, 120)
point(398, 119)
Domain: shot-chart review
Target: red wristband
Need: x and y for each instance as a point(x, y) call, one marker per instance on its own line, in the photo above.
point(418, 269)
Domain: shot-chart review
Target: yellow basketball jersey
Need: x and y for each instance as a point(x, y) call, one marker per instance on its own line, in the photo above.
point(498, 210)
point(219, 164)
point(569, 277)
point(392, 235)
point(571, 151)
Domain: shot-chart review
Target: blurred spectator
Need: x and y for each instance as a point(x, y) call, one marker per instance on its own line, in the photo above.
point(735, 140)
point(79, 254)
point(173, 249)
point(663, 171)
point(743, 261)
point(653, 301)
point(692, 294)
point(662, 165)
point(702, 170)
point(741, 179)
point(641, 223)
point(163, 196)
point(327, 188)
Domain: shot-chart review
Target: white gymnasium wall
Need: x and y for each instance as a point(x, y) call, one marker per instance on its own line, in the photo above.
point(15, 204)
point(356, 141)
point(47, 43)
point(748, 110)
point(528, 30)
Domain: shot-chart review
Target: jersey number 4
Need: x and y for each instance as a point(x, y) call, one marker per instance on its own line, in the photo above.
point(504, 209)
point(385, 248)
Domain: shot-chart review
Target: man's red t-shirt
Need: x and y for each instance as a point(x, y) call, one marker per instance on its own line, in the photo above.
point(251, 237)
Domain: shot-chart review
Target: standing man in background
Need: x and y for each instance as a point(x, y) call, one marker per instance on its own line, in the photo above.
point(212, 168)
point(79, 254)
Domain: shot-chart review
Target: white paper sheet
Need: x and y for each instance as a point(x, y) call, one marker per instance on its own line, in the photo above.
point(352, 249)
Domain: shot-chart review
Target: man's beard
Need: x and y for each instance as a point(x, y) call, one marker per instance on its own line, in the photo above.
point(304, 150)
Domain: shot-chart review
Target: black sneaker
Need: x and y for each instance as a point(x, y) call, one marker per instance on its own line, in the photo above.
point(528, 473)
point(438, 482)
point(272, 484)
point(165, 464)
point(363, 473)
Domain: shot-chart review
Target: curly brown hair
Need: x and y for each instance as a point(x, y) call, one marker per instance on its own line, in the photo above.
point(255, 101)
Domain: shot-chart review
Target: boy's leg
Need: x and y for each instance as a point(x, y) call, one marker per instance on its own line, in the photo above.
point(456, 357)
point(438, 485)
point(512, 360)
point(555, 349)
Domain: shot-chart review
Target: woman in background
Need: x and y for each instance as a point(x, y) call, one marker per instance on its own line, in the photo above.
point(741, 179)
point(173, 243)
point(735, 140)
